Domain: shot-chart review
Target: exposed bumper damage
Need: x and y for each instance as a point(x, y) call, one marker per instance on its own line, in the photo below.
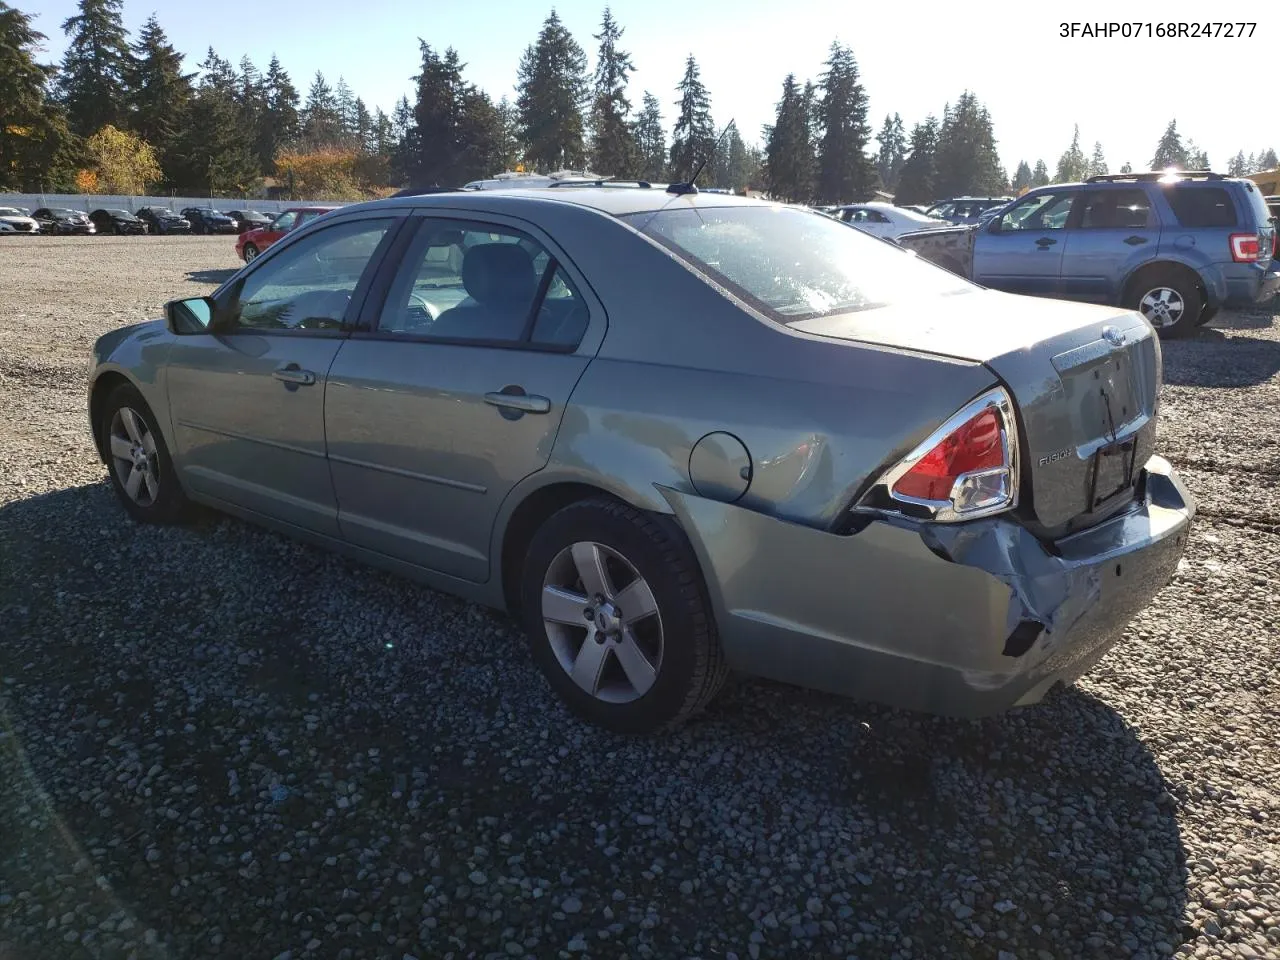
point(966, 619)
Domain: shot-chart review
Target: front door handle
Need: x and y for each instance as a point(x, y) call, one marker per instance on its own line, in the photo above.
point(509, 399)
point(292, 373)
point(1044, 243)
point(1135, 240)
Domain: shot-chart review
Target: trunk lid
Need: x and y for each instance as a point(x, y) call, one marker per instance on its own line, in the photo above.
point(1083, 378)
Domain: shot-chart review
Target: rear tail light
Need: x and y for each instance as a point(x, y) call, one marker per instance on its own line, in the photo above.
point(1245, 247)
point(967, 468)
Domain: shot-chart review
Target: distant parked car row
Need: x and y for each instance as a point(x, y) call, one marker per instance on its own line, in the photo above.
point(118, 221)
point(253, 241)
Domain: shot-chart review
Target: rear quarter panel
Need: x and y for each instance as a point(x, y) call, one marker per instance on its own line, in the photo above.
point(682, 359)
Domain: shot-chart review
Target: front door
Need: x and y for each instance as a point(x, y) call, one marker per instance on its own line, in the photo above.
point(247, 398)
point(457, 394)
point(1111, 234)
point(1021, 250)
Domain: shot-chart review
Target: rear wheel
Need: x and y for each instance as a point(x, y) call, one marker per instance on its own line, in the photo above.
point(618, 619)
point(1169, 299)
point(141, 470)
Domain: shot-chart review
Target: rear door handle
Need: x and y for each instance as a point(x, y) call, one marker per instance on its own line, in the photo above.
point(292, 373)
point(1045, 242)
point(1135, 240)
point(523, 402)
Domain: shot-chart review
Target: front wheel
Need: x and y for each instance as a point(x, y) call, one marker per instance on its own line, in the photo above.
point(1169, 300)
point(250, 253)
point(618, 619)
point(141, 470)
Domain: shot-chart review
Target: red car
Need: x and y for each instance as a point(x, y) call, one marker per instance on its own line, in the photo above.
point(252, 242)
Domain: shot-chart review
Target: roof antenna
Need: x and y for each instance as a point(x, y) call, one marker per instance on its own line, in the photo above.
point(689, 185)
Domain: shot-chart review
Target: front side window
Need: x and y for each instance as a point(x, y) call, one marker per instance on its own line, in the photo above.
point(309, 285)
point(464, 281)
point(1045, 211)
point(792, 265)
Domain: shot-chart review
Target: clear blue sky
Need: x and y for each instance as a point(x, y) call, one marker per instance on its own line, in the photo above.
point(913, 58)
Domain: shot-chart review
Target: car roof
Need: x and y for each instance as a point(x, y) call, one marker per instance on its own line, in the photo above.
point(311, 209)
point(617, 201)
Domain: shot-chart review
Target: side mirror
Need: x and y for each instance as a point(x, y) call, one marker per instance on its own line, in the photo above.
point(194, 315)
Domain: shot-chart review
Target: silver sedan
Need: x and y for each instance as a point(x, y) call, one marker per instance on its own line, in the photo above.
point(673, 433)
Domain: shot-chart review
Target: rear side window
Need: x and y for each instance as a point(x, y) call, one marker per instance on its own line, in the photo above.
point(1122, 209)
point(1260, 212)
point(1202, 206)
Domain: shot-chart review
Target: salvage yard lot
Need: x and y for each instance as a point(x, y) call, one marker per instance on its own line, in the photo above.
point(216, 742)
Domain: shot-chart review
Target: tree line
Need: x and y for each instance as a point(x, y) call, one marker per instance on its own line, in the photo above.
point(120, 114)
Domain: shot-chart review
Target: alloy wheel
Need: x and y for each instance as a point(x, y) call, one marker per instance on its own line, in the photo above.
point(603, 622)
point(1162, 306)
point(133, 456)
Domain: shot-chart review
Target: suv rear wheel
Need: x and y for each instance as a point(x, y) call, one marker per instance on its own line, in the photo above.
point(1169, 299)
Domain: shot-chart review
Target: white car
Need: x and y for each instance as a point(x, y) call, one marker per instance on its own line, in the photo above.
point(13, 220)
point(884, 219)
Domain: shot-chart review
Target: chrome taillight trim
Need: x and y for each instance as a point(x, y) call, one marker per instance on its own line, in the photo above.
point(943, 511)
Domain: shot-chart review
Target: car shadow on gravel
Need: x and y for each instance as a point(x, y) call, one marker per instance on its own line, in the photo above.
point(310, 705)
point(1214, 359)
point(211, 276)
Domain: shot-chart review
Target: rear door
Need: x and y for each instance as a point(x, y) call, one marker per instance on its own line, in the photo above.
point(1021, 250)
point(1111, 233)
point(456, 392)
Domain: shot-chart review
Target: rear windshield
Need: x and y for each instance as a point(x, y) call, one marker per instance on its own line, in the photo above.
point(793, 264)
point(1260, 212)
point(1197, 206)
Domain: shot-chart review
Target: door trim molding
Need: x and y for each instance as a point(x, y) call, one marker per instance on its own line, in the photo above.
point(410, 474)
point(192, 425)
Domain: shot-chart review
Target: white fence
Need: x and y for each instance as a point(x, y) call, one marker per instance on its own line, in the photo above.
point(91, 202)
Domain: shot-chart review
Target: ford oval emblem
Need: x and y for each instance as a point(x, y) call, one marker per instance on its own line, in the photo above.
point(1113, 336)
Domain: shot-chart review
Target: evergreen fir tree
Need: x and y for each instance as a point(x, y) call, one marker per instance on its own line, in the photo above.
point(1169, 151)
point(789, 160)
point(612, 146)
point(321, 123)
point(917, 183)
point(651, 140)
point(1097, 163)
point(893, 151)
point(1073, 167)
point(280, 126)
point(159, 91)
point(694, 135)
point(92, 82)
point(1022, 177)
point(967, 159)
point(552, 88)
point(845, 174)
point(1040, 175)
point(36, 148)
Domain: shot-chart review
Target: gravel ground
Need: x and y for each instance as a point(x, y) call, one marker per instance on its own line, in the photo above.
point(215, 742)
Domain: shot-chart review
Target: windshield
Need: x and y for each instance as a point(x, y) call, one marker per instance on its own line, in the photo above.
point(122, 214)
point(63, 212)
point(9, 212)
point(792, 264)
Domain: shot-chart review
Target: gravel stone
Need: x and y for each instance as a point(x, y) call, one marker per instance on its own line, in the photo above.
point(219, 742)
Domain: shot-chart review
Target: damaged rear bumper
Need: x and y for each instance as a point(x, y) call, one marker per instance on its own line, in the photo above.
point(957, 619)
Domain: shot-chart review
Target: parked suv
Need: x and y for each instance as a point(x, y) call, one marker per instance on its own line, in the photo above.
point(1175, 247)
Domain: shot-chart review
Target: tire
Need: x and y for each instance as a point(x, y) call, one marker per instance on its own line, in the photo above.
point(157, 496)
point(680, 666)
point(1181, 299)
point(250, 253)
point(1207, 314)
